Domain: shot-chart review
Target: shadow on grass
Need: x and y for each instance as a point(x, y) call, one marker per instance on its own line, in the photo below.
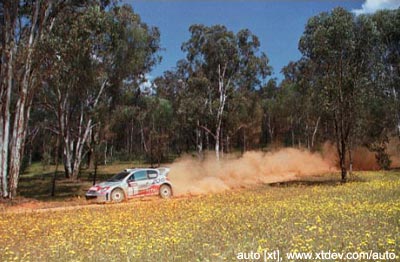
point(39, 186)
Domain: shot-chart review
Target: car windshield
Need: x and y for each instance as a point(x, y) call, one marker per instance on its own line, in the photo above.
point(118, 177)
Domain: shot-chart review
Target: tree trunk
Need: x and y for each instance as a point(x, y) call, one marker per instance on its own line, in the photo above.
point(307, 142)
point(222, 88)
point(207, 141)
point(343, 167)
point(84, 135)
point(10, 13)
point(30, 152)
point(5, 127)
point(95, 169)
point(217, 137)
point(146, 150)
point(228, 144)
point(89, 158)
point(112, 151)
point(4, 142)
point(53, 184)
point(199, 141)
point(74, 150)
point(315, 132)
point(342, 160)
point(344, 174)
point(270, 130)
point(105, 153)
point(221, 139)
point(341, 147)
point(22, 109)
point(293, 138)
point(68, 157)
point(17, 143)
point(19, 135)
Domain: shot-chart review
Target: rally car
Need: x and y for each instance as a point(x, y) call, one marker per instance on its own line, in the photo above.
point(132, 183)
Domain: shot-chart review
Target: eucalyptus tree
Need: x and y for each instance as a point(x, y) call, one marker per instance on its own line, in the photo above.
point(89, 58)
point(221, 61)
point(388, 23)
point(9, 17)
point(243, 122)
point(339, 47)
point(268, 94)
point(303, 103)
point(23, 25)
point(379, 35)
point(188, 99)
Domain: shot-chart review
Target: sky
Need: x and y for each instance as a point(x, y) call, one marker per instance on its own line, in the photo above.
point(278, 24)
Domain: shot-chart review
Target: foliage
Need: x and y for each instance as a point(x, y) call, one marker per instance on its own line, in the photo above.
point(215, 85)
point(344, 53)
point(91, 56)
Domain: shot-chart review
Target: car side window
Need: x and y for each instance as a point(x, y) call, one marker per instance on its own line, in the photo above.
point(152, 174)
point(140, 175)
point(131, 178)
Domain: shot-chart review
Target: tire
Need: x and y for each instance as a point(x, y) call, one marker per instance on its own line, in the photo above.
point(165, 191)
point(117, 195)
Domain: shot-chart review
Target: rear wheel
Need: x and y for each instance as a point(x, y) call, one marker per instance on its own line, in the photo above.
point(165, 191)
point(117, 195)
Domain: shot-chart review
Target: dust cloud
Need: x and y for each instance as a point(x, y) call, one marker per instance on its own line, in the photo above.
point(394, 151)
point(191, 176)
point(363, 158)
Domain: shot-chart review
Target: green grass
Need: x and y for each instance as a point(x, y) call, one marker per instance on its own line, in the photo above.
point(312, 215)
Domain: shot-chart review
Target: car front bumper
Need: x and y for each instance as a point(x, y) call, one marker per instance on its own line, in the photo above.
point(97, 196)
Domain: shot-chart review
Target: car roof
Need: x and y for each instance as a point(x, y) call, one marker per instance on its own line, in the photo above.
point(138, 169)
point(134, 169)
point(160, 170)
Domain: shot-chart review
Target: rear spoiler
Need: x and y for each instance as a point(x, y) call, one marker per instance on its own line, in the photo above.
point(163, 171)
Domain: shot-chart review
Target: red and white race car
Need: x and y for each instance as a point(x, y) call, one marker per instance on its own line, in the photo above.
point(132, 183)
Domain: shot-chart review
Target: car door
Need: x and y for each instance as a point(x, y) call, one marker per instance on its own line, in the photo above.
point(133, 188)
point(142, 182)
point(154, 180)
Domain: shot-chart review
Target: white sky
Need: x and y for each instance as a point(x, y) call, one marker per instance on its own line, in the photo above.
point(370, 6)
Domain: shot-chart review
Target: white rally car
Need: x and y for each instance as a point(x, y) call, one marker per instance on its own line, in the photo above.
point(132, 183)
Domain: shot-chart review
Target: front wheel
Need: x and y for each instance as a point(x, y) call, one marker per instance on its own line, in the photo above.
point(117, 195)
point(165, 191)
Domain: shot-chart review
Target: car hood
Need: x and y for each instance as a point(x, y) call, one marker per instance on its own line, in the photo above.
point(108, 183)
point(105, 184)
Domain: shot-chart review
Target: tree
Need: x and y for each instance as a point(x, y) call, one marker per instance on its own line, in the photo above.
point(188, 99)
point(9, 15)
point(339, 45)
point(93, 53)
point(222, 62)
point(387, 23)
point(302, 102)
point(24, 24)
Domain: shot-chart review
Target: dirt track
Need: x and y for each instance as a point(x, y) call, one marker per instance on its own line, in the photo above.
point(37, 206)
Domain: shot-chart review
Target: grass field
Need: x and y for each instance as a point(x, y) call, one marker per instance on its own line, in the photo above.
point(362, 215)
